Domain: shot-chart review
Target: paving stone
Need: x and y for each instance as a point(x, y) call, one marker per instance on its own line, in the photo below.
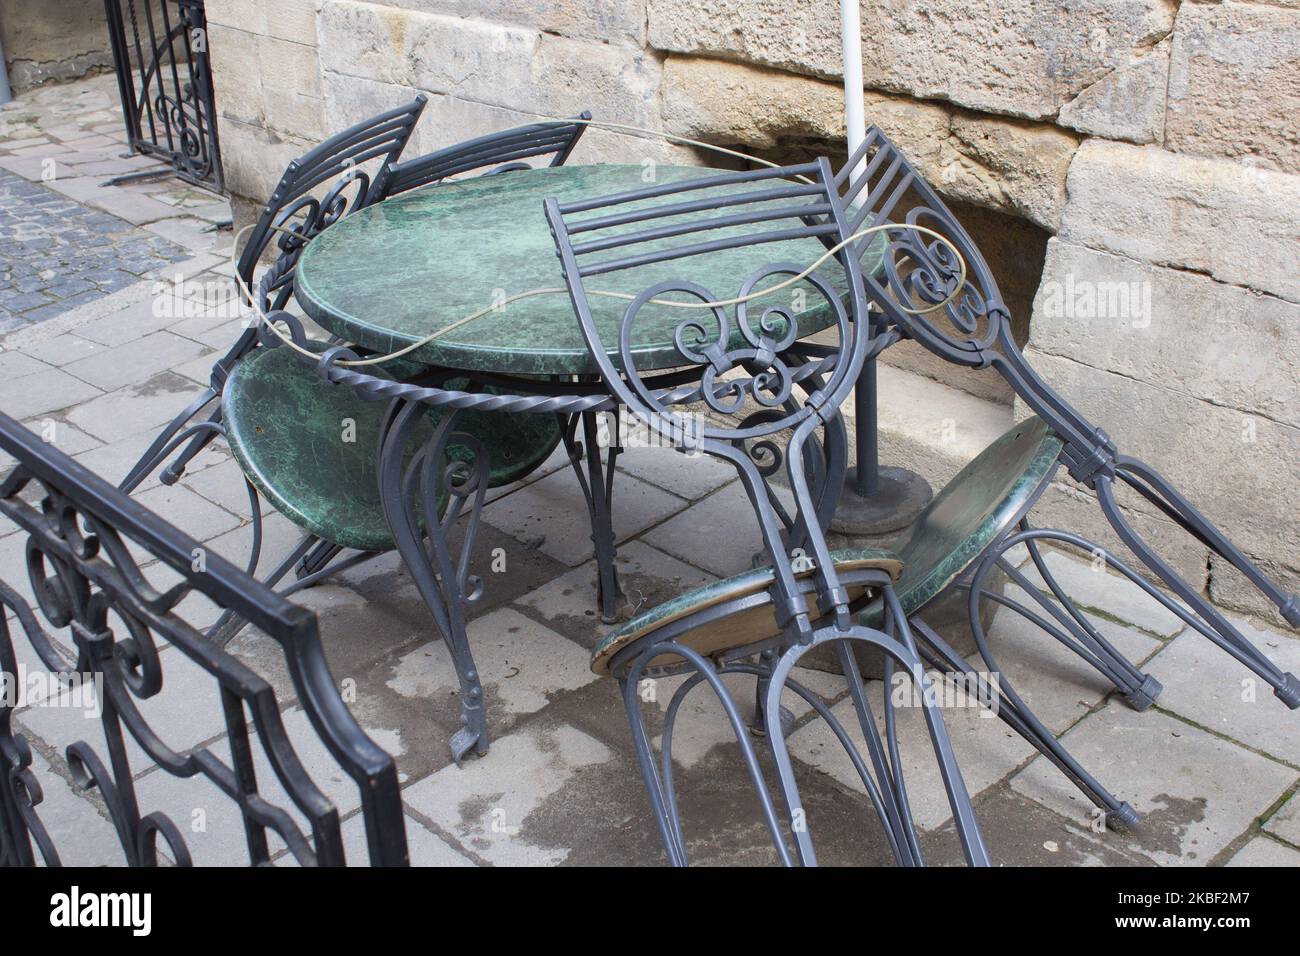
point(1285, 824)
point(135, 410)
point(62, 349)
point(1209, 688)
point(486, 804)
point(987, 750)
point(193, 234)
point(386, 581)
point(132, 207)
point(135, 361)
point(65, 437)
point(195, 801)
point(188, 511)
point(719, 533)
point(1196, 792)
point(1095, 588)
point(224, 485)
point(1055, 682)
point(551, 514)
point(18, 364)
point(701, 723)
point(1019, 832)
point(43, 392)
point(648, 577)
point(1262, 851)
point(426, 848)
point(521, 663)
point(279, 537)
point(184, 713)
point(687, 476)
point(129, 324)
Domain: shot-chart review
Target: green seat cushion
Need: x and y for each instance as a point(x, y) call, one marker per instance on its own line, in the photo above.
point(286, 427)
point(971, 512)
point(736, 630)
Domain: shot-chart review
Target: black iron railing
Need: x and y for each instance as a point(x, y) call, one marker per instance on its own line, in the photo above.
point(108, 576)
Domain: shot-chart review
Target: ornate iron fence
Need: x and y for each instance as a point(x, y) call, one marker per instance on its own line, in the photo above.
point(90, 559)
point(164, 77)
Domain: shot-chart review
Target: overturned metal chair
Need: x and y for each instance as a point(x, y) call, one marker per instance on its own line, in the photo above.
point(772, 415)
point(91, 563)
point(937, 289)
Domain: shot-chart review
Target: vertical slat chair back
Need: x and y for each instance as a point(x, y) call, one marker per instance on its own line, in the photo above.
point(293, 216)
point(496, 152)
point(742, 359)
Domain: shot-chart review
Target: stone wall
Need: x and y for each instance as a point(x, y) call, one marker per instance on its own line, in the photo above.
point(53, 41)
point(1149, 142)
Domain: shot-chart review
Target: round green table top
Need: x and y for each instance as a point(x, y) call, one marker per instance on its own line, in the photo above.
point(392, 273)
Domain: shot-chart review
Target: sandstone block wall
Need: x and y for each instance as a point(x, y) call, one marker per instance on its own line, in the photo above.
point(1149, 143)
point(53, 41)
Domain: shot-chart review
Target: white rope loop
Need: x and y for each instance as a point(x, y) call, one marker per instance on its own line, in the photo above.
point(262, 318)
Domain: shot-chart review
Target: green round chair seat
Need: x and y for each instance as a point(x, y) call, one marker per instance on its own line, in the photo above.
point(971, 512)
point(736, 630)
point(287, 426)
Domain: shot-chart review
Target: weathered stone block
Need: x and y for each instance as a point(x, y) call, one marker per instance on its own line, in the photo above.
point(1240, 470)
point(286, 66)
point(1234, 83)
point(247, 15)
point(254, 159)
point(236, 76)
point(1183, 332)
point(513, 68)
point(1127, 103)
point(1234, 222)
point(45, 42)
point(616, 21)
point(1019, 167)
point(291, 20)
point(615, 83)
point(477, 60)
point(1020, 58)
point(1007, 165)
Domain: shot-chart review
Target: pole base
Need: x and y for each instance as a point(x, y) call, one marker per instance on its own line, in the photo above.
point(901, 496)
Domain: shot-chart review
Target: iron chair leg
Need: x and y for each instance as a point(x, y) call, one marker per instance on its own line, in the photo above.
point(597, 485)
point(888, 790)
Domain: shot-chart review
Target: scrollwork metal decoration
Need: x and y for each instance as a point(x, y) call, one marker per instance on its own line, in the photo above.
point(86, 579)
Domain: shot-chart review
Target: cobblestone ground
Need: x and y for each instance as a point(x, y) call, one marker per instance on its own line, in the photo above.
point(1213, 766)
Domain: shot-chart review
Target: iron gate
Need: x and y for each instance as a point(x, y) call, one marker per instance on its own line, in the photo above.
point(160, 52)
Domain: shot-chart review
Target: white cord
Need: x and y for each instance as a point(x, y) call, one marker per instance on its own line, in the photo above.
point(262, 317)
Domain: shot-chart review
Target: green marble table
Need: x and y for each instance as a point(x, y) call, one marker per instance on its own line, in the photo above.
point(390, 274)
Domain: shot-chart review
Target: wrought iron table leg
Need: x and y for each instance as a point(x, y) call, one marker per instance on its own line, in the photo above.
point(597, 485)
point(426, 555)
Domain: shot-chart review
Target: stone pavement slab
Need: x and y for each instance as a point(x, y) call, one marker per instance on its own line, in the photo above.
point(1285, 824)
point(487, 804)
point(551, 514)
point(1206, 686)
point(1196, 792)
point(1262, 851)
point(987, 750)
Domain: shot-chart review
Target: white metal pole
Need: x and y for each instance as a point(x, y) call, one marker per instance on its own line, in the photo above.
point(854, 112)
point(5, 93)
